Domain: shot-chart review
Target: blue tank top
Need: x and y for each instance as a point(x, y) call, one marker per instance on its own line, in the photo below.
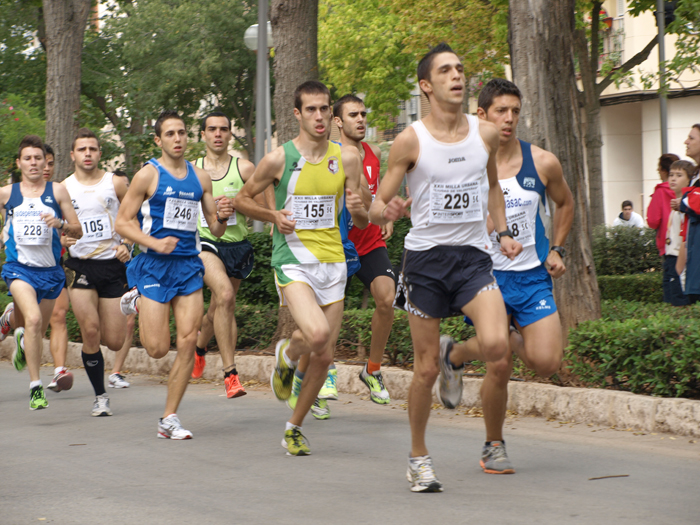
point(172, 210)
point(351, 257)
point(28, 240)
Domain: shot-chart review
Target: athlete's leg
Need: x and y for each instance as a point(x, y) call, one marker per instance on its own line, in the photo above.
point(58, 341)
point(35, 319)
point(206, 331)
point(86, 310)
point(187, 310)
point(383, 290)
point(112, 323)
point(540, 346)
point(121, 355)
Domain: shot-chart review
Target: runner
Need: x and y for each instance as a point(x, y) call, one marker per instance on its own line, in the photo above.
point(95, 271)
point(227, 259)
point(310, 174)
point(450, 162)
point(168, 272)
point(376, 271)
point(527, 174)
point(34, 212)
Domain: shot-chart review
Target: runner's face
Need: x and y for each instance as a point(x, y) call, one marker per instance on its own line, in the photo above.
point(505, 113)
point(86, 154)
point(354, 121)
point(173, 138)
point(31, 163)
point(217, 134)
point(678, 179)
point(447, 81)
point(692, 144)
point(315, 115)
point(48, 167)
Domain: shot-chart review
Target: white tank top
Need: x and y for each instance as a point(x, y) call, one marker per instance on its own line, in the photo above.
point(449, 186)
point(96, 207)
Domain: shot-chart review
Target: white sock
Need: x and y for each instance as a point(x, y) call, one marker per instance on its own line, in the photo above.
point(288, 360)
point(289, 426)
point(33, 384)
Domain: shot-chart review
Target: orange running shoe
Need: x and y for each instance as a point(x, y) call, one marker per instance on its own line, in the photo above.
point(199, 364)
point(234, 388)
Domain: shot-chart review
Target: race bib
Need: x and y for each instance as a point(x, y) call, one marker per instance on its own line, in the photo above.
point(180, 214)
point(313, 212)
point(203, 220)
point(455, 203)
point(521, 228)
point(96, 228)
point(31, 231)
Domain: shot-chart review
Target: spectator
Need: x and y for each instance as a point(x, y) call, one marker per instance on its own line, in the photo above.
point(628, 217)
point(692, 149)
point(660, 205)
point(680, 174)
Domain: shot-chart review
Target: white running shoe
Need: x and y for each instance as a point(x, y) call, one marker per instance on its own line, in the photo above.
point(450, 380)
point(117, 381)
point(421, 475)
point(5, 327)
point(127, 303)
point(171, 428)
point(101, 406)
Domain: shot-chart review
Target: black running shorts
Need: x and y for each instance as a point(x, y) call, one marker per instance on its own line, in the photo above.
point(107, 276)
point(238, 257)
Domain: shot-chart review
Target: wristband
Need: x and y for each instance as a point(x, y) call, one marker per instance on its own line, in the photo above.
point(219, 219)
point(63, 223)
point(383, 210)
point(504, 233)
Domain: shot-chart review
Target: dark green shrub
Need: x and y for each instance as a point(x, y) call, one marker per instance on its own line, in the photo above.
point(624, 250)
point(644, 287)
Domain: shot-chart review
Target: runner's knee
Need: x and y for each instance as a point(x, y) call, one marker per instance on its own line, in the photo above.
point(500, 370)
point(494, 346)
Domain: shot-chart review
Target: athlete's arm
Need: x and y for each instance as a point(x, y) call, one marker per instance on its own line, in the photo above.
point(121, 186)
point(352, 164)
point(269, 170)
point(246, 169)
point(551, 173)
point(213, 209)
point(71, 225)
point(497, 205)
point(388, 228)
point(387, 206)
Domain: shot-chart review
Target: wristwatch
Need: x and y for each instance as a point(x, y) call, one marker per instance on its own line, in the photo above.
point(504, 233)
point(560, 250)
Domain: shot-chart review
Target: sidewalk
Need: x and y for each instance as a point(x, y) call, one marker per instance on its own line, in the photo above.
point(602, 407)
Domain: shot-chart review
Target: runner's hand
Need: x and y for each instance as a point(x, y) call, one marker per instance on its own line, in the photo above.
point(555, 265)
point(166, 245)
point(52, 221)
point(396, 209)
point(123, 253)
point(354, 202)
point(387, 231)
point(510, 247)
point(224, 207)
point(67, 241)
point(284, 225)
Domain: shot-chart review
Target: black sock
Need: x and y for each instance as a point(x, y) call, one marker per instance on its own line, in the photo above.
point(201, 351)
point(231, 372)
point(95, 368)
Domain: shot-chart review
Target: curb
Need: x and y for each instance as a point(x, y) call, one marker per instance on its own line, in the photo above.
point(602, 407)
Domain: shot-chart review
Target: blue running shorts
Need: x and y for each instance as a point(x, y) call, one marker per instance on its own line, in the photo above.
point(47, 282)
point(160, 278)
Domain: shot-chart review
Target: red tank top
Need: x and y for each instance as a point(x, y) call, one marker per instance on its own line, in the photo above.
point(371, 237)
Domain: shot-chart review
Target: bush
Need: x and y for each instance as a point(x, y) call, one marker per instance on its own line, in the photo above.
point(624, 250)
point(643, 287)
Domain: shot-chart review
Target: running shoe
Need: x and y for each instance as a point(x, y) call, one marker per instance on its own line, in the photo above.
point(296, 390)
point(233, 385)
point(295, 443)
point(63, 380)
point(19, 360)
point(421, 475)
point(37, 399)
point(127, 303)
point(283, 374)
point(377, 391)
point(5, 326)
point(450, 380)
point(117, 381)
point(171, 428)
point(199, 363)
point(494, 459)
point(101, 406)
point(320, 409)
point(330, 388)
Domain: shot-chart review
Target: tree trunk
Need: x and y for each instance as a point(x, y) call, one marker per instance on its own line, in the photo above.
point(541, 43)
point(295, 30)
point(65, 22)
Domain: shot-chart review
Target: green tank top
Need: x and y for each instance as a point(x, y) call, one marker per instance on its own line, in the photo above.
point(229, 185)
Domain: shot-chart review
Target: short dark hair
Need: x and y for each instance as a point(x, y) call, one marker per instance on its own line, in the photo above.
point(48, 150)
point(345, 99)
point(84, 133)
point(497, 87)
point(666, 160)
point(203, 124)
point(120, 173)
point(166, 115)
point(31, 141)
point(696, 126)
point(627, 203)
point(427, 61)
point(685, 165)
point(310, 87)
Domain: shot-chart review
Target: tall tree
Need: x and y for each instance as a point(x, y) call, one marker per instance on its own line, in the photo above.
point(65, 22)
point(543, 68)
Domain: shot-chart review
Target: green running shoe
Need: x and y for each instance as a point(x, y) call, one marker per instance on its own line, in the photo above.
point(283, 374)
point(377, 391)
point(296, 389)
point(37, 399)
point(295, 443)
point(320, 409)
point(19, 360)
point(330, 388)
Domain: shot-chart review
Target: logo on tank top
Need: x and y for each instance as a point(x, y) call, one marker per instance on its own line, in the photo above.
point(333, 165)
point(75, 204)
point(169, 191)
point(294, 167)
point(108, 202)
point(187, 194)
point(456, 159)
point(528, 182)
point(48, 199)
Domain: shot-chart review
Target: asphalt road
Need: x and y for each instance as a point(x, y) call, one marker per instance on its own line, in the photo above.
point(61, 465)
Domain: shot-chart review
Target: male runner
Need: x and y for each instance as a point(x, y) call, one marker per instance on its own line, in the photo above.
point(311, 176)
point(527, 174)
point(164, 196)
point(450, 162)
point(376, 271)
point(34, 212)
point(227, 259)
point(95, 271)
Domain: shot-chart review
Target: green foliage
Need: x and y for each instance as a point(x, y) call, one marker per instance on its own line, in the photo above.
point(259, 287)
point(623, 250)
point(395, 243)
point(17, 119)
point(644, 287)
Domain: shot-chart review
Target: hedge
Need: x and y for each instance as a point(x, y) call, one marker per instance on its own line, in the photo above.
point(624, 250)
point(645, 287)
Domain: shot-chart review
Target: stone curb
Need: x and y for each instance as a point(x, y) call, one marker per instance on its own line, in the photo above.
point(601, 407)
